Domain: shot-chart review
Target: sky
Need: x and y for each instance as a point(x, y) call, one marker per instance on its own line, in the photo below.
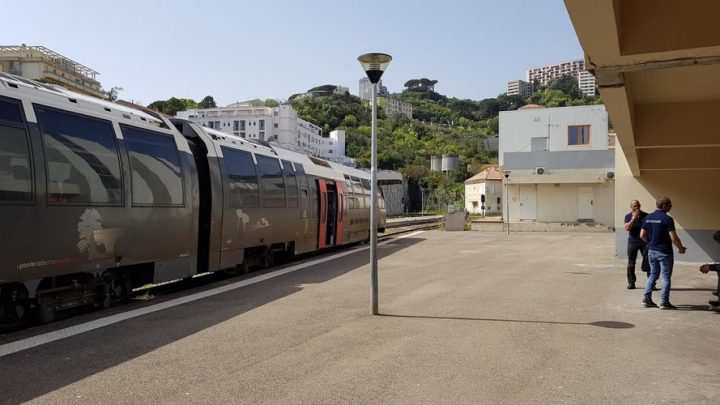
point(241, 50)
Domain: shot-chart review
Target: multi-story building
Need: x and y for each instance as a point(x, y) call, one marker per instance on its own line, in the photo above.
point(365, 89)
point(586, 82)
point(40, 63)
point(279, 125)
point(483, 192)
point(395, 107)
point(520, 88)
point(561, 168)
point(544, 74)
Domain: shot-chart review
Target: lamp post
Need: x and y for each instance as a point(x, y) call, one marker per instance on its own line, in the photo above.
point(507, 198)
point(374, 65)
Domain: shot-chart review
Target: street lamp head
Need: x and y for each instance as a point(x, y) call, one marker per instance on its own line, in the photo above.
point(374, 65)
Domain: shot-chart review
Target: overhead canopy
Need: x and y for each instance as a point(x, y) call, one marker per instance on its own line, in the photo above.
point(657, 63)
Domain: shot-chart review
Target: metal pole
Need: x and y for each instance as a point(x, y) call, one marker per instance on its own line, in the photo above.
point(507, 202)
point(373, 205)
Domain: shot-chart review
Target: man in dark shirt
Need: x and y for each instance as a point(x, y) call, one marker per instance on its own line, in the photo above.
point(716, 268)
point(658, 231)
point(633, 224)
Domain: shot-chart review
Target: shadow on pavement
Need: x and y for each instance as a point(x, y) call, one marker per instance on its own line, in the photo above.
point(28, 374)
point(602, 324)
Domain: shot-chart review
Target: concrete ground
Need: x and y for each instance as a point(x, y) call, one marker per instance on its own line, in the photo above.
point(467, 317)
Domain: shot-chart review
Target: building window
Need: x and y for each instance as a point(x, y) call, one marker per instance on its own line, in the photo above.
point(262, 125)
point(242, 125)
point(579, 135)
point(262, 136)
point(242, 134)
point(276, 125)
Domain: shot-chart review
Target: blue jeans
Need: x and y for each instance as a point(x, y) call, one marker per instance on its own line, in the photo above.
point(661, 265)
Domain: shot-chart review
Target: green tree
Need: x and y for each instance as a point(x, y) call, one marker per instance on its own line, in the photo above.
point(112, 95)
point(207, 102)
point(271, 103)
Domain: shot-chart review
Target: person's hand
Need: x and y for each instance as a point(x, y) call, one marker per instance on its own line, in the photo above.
point(704, 268)
point(681, 250)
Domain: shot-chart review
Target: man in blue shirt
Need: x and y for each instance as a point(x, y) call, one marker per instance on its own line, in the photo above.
point(633, 224)
point(658, 231)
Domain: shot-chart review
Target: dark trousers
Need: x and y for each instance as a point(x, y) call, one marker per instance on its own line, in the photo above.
point(632, 251)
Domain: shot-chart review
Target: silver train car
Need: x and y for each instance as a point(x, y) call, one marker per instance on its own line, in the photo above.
point(97, 199)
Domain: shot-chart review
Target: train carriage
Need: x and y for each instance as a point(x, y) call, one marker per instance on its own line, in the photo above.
point(97, 199)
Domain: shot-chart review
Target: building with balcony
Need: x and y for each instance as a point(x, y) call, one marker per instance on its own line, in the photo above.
point(587, 84)
point(545, 74)
point(42, 64)
point(520, 88)
point(277, 125)
point(394, 107)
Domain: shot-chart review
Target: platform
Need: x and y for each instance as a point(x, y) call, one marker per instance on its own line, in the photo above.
point(467, 317)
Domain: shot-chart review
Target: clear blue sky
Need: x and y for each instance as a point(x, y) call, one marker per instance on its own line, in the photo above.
point(239, 50)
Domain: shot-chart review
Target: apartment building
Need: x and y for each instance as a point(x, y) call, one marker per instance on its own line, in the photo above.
point(278, 125)
point(40, 63)
point(586, 82)
point(365, 89)
point(395, 107)
point(544, 74)
point(520, 88)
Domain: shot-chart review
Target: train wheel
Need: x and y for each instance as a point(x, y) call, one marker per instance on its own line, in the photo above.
point(45, 312)
point(15, 304)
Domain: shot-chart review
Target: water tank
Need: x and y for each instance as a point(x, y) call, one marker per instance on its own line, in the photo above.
point(450, 163)
point(435, 163)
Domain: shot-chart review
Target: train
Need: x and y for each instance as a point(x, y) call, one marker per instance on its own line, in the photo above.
point(98, 199)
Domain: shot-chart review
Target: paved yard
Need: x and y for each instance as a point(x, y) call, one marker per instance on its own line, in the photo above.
point(468, 317)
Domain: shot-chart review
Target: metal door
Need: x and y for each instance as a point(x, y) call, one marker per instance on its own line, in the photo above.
point(528, 202)
point(585, 203)
point(341, 212)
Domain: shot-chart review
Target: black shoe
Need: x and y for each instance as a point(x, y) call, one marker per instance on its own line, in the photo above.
point(715, 303)
point(631, 286)
point(655, 288)
point(667, 305)
point(648, 303)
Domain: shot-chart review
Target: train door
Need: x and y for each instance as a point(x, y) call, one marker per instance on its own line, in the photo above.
point(341, 212)
point(322, 213)
point(332, 214)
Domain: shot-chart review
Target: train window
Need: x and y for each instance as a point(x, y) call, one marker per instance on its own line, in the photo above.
point(349, 192)
point(81, 159)
point(242, 178)
point(15, 167)
point(10, 112)
point(313, 198)
point(291, 184)
point(271, 180)
point(155, 167)
point(358, 192)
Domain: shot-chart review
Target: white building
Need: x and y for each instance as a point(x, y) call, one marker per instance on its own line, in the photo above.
point(395, 107)
point(586, 82)
point(544, 74)
point(561, 167)
point(520, 88)
point(365, 89)
point(279, 125)
point(483, 192)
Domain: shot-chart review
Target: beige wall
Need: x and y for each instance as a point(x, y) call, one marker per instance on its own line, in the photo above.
point(560, 204)
point(695, 196)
